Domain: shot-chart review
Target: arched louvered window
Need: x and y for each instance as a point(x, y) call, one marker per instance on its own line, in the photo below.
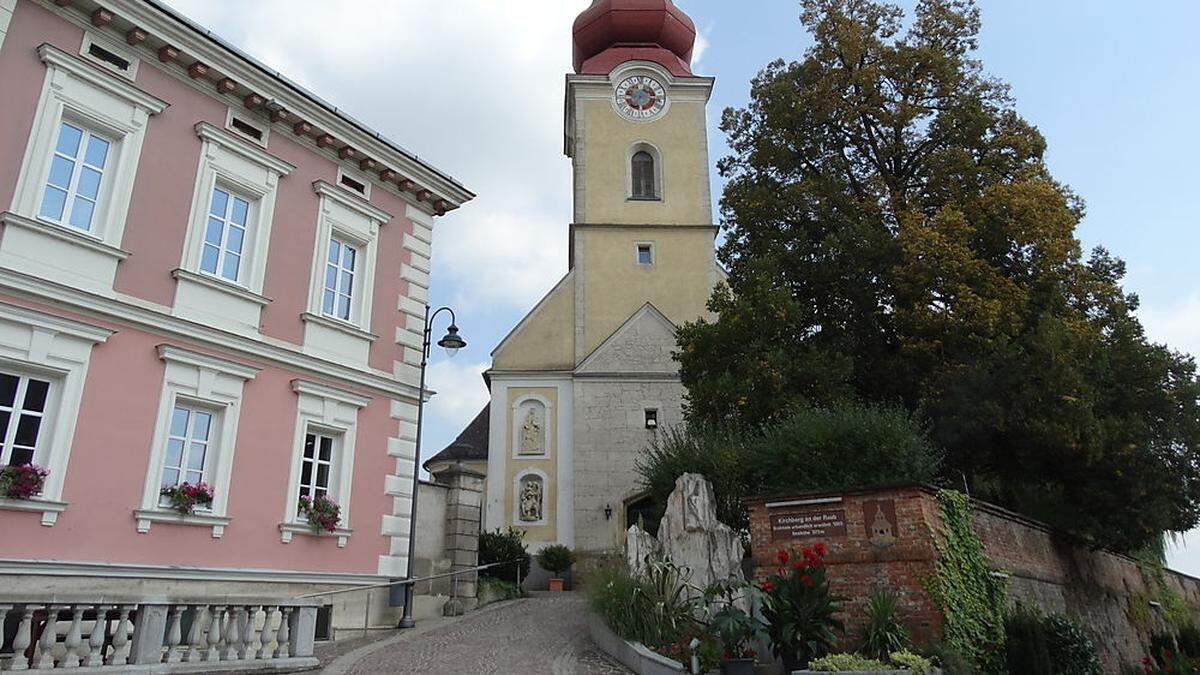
point(644, 184)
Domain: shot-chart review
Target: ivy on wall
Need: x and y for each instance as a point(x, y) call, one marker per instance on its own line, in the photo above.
point(1175, 610)
point(972, 598)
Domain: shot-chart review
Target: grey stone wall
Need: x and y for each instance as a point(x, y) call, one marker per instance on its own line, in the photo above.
point(608, 436)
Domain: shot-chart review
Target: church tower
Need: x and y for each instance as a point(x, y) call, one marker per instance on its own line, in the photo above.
point(584, 382)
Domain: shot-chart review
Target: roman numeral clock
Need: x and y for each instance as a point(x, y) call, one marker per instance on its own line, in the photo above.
point(640, 98)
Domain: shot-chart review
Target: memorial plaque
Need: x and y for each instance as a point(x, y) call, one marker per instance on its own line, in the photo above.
point(879, 516)
point(808, 524)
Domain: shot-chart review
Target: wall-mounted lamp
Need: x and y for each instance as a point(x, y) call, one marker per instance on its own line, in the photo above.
point(608, 511)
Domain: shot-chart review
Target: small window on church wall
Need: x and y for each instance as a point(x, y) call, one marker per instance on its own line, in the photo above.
point(645, 254)
point(651, 418)
point(644, 186)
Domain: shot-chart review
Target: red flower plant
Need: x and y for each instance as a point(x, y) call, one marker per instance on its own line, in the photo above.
point(22, 481)
point(185, 497)
point(323, 514)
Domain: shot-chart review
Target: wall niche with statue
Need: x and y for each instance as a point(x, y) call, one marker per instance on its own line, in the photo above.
point(531, 427)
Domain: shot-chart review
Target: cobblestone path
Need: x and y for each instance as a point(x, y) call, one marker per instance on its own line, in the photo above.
point(542, 634)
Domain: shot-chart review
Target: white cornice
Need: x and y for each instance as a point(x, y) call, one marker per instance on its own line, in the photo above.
point(325, 391)
point(53, 56)
point(161, 323)
point(63, 233)
point(188, 357)
point(57, 324)
point(356, 204)
point(206, 47)
point(61, 568)
point(227, 141)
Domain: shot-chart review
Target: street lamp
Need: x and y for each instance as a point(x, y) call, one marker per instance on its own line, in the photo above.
point(451, 342)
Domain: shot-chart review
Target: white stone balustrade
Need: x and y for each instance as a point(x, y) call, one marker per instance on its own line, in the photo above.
point(158, 635)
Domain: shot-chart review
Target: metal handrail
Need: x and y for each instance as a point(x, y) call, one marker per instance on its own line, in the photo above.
point(407, 582)
point(410, 582)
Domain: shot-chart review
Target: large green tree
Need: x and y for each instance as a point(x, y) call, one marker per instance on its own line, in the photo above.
point(893, 235)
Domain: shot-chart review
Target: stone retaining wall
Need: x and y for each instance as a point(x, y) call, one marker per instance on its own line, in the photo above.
point(884, 538)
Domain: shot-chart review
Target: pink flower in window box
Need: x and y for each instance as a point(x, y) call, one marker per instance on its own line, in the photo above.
point(323, 514)
point(22, 481)
point(185, 497)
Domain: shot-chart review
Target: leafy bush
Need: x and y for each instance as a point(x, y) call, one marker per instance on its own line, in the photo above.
point(951, 660)
point(497, 590)
point(907, 660)
point(504, 546)
point(653, 608)
point(1047, 645)
point(805, 451)
point(799, 608)
point(556, 559)
point(734, 628)
point(883, 633)
point(840, 663)
point(1189, 640)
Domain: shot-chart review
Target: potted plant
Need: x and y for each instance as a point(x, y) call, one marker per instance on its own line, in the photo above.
point(799, 609)
point(734, 627)
point(556, 559)
point(22, 481)
point(323, 514)
point(185, 497)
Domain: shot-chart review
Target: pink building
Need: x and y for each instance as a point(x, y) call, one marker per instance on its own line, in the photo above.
point(206, 274)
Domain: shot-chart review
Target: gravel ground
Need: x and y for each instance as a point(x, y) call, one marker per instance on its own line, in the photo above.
point(546, 633)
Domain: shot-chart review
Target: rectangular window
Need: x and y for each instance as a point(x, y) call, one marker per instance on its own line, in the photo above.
point(224, 235)
point(22, 416)
point(316, 467)
point(651, 418)
point(188, 440)
point(76, 169)
point(339, 279)
point(645, 254)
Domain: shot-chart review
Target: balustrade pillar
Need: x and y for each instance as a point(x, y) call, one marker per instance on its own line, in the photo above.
point(22, 640)
point(173, 634)
point(196, 636)
point(215, 635)
point(74, 640)
point(282, 638)
point(95, 657)
point(250, 641)
point(303, 629)
point(265, 650)
point(121, 637)
point(232, 637)
point(49, 639)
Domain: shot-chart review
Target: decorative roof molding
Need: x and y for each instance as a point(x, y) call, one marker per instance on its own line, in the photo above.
point(58, 324)
point(231, 143)
point(327, 392)
point(53, 56)
point(191, 358)
point(356, 204)
point(198, 43)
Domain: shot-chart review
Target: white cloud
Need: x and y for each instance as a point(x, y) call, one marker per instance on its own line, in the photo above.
point(701, 47)
point(460, 388)
point(1176, 325)
point(474, 86)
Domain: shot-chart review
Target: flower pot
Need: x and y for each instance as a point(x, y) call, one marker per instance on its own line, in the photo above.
point(556, 585)
point(737, 667)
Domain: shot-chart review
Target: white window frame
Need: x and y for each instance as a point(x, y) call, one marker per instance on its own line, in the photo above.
point(332, 411)
point(343, 172)
point(333, 478)
point(101, 102)
point(16, 411)
point(345, 216)
point(210, 444)
point(90, 38)
point(265, 129)
point(227, 224)
point(340, 272)
point(233, 165)
point(200, 380)
point(78, 163)
point(59, 350)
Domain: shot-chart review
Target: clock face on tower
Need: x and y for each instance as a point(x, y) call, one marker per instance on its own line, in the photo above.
point(640, 98)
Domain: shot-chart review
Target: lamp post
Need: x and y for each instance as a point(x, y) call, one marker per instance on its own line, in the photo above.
point(451, 342)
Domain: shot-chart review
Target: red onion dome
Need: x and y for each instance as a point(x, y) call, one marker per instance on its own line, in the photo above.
point(611, 32)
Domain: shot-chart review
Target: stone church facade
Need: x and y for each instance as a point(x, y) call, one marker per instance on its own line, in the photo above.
point(584, 382)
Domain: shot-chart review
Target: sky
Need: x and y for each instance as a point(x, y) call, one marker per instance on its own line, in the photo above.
point(476, 87)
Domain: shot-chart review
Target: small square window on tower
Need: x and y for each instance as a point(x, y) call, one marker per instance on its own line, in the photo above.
point(651, 418)
point(645, 254)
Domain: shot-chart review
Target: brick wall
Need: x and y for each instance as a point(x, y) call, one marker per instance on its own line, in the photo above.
point(871, 548)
